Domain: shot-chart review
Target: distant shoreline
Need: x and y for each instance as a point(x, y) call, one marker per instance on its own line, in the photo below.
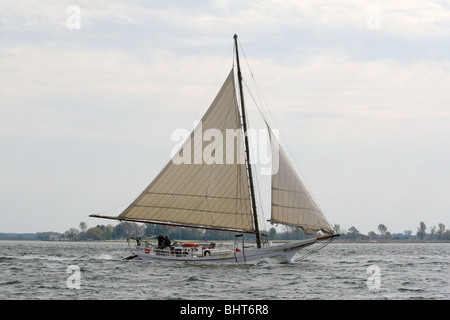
point(391, 241)
point(17, 237)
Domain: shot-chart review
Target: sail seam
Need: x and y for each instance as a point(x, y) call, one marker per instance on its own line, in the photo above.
point(198, 210)
point(193, 195)
point(302, 208)
point(287, 190)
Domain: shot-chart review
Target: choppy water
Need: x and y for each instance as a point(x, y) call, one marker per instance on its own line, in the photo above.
point(39, 270)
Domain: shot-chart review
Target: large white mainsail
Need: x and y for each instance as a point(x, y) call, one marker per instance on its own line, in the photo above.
point(292, 204)
point(203, 192)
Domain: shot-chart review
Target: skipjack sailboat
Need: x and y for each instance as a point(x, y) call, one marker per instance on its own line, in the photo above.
point(216, 191)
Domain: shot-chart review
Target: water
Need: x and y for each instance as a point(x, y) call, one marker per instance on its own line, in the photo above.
point(39, 270)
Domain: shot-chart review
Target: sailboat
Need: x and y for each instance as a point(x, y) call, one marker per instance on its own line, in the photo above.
point(210, 185)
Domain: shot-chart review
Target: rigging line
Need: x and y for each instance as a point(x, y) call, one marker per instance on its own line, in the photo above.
point(254, 100)
point(260, 95)
point(259, 183)
point(315, 250)
point(256, 175)
point(255, 84)
point(202, 105)
point(258, 91)
point(120, 206)
point(261, 217)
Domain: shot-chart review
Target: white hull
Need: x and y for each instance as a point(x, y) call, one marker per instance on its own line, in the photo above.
point(281, 253)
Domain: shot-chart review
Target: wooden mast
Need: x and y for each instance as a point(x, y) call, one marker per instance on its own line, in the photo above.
point(247, 151)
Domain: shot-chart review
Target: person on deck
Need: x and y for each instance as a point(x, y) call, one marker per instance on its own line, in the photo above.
point(161, 241)
point(167, 242)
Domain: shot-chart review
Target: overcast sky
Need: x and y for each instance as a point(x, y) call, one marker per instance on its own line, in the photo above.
point(360, 91)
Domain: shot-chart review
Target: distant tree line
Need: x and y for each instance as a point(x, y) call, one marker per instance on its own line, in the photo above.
point(18, 236)
point(124, 230)
point(435, 233)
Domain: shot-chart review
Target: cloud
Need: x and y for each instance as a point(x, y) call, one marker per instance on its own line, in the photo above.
point(356, 104)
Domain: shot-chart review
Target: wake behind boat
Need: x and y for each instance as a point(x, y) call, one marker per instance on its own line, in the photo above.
point(209, 184)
